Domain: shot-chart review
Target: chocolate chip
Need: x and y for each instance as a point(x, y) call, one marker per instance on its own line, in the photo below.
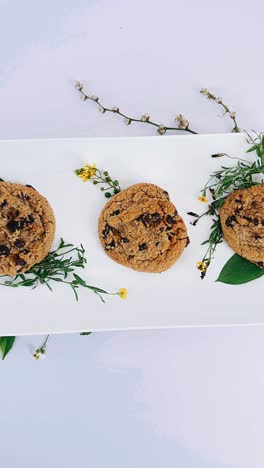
point(24, 197)
point(229, 222)
point(19, 243)
point(131, 256)
point(247, 218)
point(162, 229)
point(4, 251)
point(155, 217)
point(110, 246)
point(144, 218)
point(238, 209)
point(256, 221)
point(166, 193)
point(257, 236)
point(125, 240)
point(170, 219)
point(14, 226)
point(3, 204)
point(148, 218)
point(30, 186)
point(12, 213)
point(24, 251)
point(157, 244)
point(106, 231)
point(142, 246)
point(115, 213)
point(237, 200)
point(20, 261)
point(260, 264)
point(30, 219)
point(187, 241)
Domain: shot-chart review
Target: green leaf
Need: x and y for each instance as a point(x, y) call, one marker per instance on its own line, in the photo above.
point(6, 344)
point(253, 148)
point(80, 280)
point(238, 270)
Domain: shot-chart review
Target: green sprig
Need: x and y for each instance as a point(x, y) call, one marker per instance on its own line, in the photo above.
point(221, 184)
point(107, 184)
point(59, 267)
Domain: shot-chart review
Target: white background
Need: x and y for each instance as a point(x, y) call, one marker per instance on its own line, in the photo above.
point(178, 398)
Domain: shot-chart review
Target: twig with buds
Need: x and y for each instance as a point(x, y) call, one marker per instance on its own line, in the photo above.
point(219, 101)
point(183, 124)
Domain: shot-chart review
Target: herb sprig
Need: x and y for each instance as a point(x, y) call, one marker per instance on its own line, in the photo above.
point(221, 184)
point(108, 185)
point(59, 267)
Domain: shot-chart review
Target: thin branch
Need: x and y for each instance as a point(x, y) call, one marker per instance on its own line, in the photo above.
point(183, 124)
point(226, 108)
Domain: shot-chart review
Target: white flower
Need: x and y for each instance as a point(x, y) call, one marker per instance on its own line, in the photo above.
point(101, 109)
point(145, 118)
point(127, 121)
point(218, 100)
point(83, 97)
point(232, 115)
point(94, 98)
point(182, 122)
point(204, 91)
point(78, 85)
point(161, 130)
point(115, 109)
point(39, 354)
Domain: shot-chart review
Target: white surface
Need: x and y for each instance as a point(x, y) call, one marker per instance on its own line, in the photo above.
point(173, 298)
point(186, 398)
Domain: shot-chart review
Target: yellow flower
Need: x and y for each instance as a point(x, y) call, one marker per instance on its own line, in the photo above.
point(203, 199)
point(86, 172)
point(122, 293)
point(202, 267)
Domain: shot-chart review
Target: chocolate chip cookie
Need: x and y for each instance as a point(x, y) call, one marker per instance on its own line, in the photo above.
point(242, 220)
point(27, 227)
point(141, 229)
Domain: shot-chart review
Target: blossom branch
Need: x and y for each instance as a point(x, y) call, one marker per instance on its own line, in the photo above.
point(219, 101)
point(183, 124)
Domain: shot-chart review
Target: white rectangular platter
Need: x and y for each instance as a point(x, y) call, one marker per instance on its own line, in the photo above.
point(178, 297)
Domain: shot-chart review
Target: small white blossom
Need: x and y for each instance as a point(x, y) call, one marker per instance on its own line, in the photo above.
point(83, 97)
point(182, 122)
point(115, 109)
point(39, 354)
point(145, 118)
point(232, 115)
point(94, 98)
point(161, 130)
point(78, 85)
point(127, 121)
point(204, 91)
point(101, 109)
point(218, 100)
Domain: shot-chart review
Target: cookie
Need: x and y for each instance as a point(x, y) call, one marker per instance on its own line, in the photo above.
point(242, 220)
point(141, 229)
point(27, 227)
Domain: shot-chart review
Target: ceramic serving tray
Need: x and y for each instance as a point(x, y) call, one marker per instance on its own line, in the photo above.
point(178, 297)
